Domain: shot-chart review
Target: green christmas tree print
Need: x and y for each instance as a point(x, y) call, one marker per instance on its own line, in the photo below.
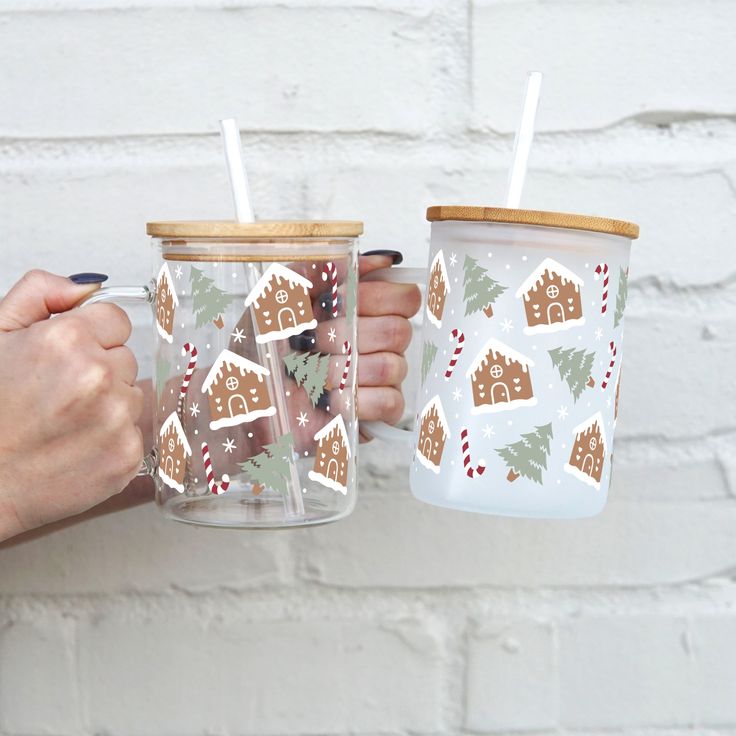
point(351, 289)
point(162, 374)
point(480, 289)
point(271, 468)
point(309, 371)
point(528, 456)
point(429, 351)
point(623, 290)
point(208, 302)
point(574, 367)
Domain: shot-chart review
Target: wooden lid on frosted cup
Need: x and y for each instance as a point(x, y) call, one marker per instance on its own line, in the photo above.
point(541, 218)
point(261, 229)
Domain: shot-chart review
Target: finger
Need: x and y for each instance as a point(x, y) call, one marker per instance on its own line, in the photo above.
point(136, 402)
point(380, 403)
point(381, 369)
point(366, 264)
point(37, 296)
point(109, 324)
point(123, 363)
point(376, 298)
point(388, 333)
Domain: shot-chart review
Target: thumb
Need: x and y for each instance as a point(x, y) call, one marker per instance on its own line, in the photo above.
point(38, 295)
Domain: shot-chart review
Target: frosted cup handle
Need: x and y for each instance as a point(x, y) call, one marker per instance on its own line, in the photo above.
point(396, 275)
point(127, 294)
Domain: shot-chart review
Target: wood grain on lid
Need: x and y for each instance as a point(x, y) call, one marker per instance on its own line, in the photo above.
point(534, 217)
point(260, 229)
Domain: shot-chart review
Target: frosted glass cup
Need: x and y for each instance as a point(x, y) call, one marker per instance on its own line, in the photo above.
point(254, 371)
point(521, 361)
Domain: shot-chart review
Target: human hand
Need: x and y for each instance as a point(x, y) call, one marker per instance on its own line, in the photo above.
point(68, 406)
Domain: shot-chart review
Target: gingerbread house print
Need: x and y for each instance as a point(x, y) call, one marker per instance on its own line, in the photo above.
point(500, 379)
point(174, 451)
point(332, 457)
point(588, 452)
point(166, 304)
point(237, 391)
point(552, 300)
point(281, 304)
point(439, 288)
point(434, 431)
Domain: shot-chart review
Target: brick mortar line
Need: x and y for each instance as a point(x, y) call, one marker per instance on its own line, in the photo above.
point(311, 601)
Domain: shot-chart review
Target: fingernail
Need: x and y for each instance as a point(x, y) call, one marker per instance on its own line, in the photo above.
point(88, 278)
point(396, 255)
point(305, 341)
point(325, 301)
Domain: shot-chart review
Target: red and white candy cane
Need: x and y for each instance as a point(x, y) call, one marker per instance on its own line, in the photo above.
point(470, 471)
point(602, 268)
point(612, 348)
point(329, 271)
point(458, 335)
point(216, 488)
point(347, 349)
point(188, 348)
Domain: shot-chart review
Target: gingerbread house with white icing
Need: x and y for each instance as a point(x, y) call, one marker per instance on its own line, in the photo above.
point(439, 288)
point(552, 299)
point(237, 391)
point(332, 456)
point(281, 304)
point(174, 450)
point(434, 431)
point(500, 379)
point(166, 304)
point(588, 451)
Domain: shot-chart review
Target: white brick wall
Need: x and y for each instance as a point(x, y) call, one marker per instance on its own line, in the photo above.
point(403, 619)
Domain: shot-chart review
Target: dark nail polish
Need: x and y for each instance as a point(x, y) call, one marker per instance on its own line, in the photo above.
point(325, 301)
point(394, 254)
point(88, 278)
point(305, 341)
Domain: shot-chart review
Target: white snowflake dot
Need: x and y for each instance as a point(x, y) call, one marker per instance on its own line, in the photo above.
point(564, 447)
point(550, 385)
point(314, 266)
point(215, 265)
point(250, 435)
point(182, 325)
point(268, 355)
point(558, 481)
point(490, 255)
point(508, 266)
point(288, 393)
point(306, 452)
point(509, 422)
point(196, 431)
point(524, 258)
point(587, 265)
point(196, 480)
point(207, 346)
point(304, 490)
point(171, 390)
point(235, 274)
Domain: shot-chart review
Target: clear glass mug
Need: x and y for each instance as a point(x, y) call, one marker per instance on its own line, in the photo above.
point(521, 361)
point(254, 371)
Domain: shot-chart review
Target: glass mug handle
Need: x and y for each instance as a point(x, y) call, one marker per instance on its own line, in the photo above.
point(396, 275)
point(127, 294)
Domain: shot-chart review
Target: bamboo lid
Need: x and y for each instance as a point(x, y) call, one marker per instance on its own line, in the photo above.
point(534, 217)
point(260, 229)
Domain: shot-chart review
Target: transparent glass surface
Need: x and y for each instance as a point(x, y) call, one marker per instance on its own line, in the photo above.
point(262, 433)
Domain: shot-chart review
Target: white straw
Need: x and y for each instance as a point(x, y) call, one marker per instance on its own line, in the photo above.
point(236, 170)
point(523, 141)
